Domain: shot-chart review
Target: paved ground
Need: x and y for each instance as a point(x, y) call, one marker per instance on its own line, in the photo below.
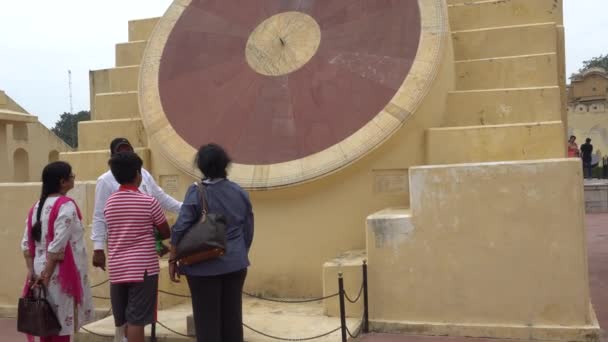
point(8, 331)
point(597, 225)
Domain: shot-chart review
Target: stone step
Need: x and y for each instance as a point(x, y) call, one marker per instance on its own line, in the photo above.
point(350, 264)
point(114, 80)
point(89, 165)
point(278, 319)
point(479, 144)
point(97, 135)
point(124, 105)
point(508, 72)
point(469, 15)
point(503, 106)
point(505, 41)
point(131, 53)
point(141, 29)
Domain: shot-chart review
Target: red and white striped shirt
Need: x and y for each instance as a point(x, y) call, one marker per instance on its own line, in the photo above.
point(131, 217)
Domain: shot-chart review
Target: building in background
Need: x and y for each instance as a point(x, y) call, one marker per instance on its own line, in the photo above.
point(26, 145)
point(588, 109)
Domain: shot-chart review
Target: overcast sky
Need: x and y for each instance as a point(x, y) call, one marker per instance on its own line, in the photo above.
point(40, 40)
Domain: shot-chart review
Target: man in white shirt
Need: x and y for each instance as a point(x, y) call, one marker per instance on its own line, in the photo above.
point(106, 186)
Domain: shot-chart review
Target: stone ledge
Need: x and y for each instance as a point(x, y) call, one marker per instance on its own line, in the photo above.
point(589, 333)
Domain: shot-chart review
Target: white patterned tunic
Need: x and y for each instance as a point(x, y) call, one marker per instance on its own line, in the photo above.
point(68, 228)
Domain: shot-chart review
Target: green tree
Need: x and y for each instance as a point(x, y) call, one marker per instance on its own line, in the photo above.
point(67, 126)
point(601, 61)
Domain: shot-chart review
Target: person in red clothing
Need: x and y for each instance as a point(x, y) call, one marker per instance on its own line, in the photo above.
point(131, 218)
point(573, 148)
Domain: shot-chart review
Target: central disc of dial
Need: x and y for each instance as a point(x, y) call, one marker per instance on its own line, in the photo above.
point(283, 43)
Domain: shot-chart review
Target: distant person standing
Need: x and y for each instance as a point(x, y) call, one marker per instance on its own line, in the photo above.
point(573, 148)
point(586, 152)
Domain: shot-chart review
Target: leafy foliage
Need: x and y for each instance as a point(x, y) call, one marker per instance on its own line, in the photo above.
point(67, 126)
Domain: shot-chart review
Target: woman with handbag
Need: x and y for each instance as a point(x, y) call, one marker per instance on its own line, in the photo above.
point(54, 250)
point(215, 277)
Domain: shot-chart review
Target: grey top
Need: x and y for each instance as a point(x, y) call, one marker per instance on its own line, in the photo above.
point(229, 199)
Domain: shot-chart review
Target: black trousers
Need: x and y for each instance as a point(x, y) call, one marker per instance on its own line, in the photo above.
point(218, 306)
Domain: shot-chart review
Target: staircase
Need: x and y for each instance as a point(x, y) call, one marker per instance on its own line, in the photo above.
point(509, 84)
point(114, 107)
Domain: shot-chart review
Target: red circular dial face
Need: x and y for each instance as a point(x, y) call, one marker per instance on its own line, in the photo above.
point(278, 80)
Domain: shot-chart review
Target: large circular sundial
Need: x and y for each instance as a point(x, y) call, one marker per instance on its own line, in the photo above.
point(293, 89)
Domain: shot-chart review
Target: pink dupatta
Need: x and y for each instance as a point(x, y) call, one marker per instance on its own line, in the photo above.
point(68, 275)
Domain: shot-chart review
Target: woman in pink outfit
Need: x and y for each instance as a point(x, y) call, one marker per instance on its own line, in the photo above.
point(54, 250)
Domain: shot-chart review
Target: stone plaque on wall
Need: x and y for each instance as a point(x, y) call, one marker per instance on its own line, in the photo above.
point(169, 183)
point(391, 182)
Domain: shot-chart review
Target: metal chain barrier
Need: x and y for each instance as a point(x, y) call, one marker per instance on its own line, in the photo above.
point(359, 331)
point(358, 296)
point(100, 284)
point(291, 301)
point(345, 331)
point(101, 297)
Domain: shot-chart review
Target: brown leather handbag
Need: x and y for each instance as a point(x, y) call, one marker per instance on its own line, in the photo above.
point(206, 239)
point(35, 316)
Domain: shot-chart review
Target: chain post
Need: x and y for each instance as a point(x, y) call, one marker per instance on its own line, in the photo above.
point(365, 300)
point(342, 307)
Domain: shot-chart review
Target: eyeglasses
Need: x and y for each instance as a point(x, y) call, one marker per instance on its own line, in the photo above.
point(72, 176)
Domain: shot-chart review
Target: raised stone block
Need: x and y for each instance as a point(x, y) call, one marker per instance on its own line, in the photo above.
point(505, 41)
point(350, 265)
point(468, 15)
point(97, 135)
point(507, 72)
point(495, 143)
point(141, 29)
point(477, 237)
point(114, 80)
point(111, 106)
point(596, 196)
point(131, 53)
point(503, 106)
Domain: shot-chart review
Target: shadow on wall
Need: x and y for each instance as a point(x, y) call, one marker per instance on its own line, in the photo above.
point(21, 162)
point(53, 156)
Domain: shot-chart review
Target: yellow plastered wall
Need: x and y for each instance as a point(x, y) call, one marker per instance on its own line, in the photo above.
point(492, 245)
point(495, 143)
point(17, 199)
point(39, 144)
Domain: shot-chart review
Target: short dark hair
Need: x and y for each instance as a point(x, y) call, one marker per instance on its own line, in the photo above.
point(125, 166)
point(213, 161)
point(588, 140)
point(573, 136)
point(117, 142)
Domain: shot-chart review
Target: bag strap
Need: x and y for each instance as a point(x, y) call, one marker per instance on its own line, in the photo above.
point(201, 196)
